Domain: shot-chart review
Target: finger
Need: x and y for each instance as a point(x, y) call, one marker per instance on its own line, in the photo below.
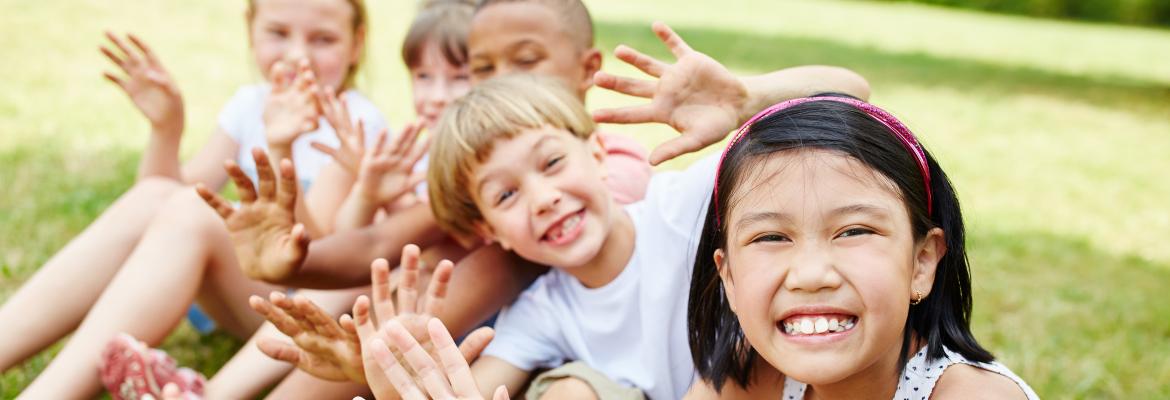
point(379, 143)
point(280, 319)
point(217, 203)
point(360, 131)
point(244, 186)
point(289, 307)
point(394, 371)
point(474, 343)
point(675, 147)
point(420, 361)
point(501, 393)
point(114, 59)
point(628, 115)
point(324, 148)
point(279, 76)
point(361, 316)
point(673, 41)
point(437, 288)
point(130, 57)
point(280, 350)
point(380, 289)
point(305, 79)
point(287, 195)
point(407, 292)
point(300, 242)
point(264, 173)
point(454, 364)
point(650, 65)
point(324, 323)
point(416, 178)
point(349, 327)
point(144, 48)
point(628, 86)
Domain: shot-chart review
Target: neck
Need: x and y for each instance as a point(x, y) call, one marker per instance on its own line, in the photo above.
point(615, 252)
point(878, 381)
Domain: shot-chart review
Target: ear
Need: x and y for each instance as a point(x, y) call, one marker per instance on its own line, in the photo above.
point(485, 231)
point(590, 63)
point(725, 276)
point(927, 255)
point(597, 151)
point(359, 43)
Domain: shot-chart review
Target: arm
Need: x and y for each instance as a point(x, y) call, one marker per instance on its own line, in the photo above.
point(702, 100)
point(291, 110)
point(385, 173)
point(155, 94)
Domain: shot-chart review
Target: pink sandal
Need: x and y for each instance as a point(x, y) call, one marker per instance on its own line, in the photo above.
point(130, 370)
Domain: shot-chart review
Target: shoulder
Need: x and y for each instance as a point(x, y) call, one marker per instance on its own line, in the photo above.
point(963, 381)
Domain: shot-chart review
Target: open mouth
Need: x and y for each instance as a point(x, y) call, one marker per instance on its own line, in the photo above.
point(810, 325)
point(565, 230)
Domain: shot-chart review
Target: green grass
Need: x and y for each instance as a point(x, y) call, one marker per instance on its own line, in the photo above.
point(1055, 133)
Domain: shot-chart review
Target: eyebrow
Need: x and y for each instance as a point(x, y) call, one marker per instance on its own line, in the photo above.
point(761, 216)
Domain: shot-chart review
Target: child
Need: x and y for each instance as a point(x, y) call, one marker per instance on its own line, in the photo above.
point(110, 268)
point(707, 96)
point(832, 265)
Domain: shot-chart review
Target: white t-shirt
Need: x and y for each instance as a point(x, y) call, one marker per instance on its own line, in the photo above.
point(634, 328)
point(243, 120)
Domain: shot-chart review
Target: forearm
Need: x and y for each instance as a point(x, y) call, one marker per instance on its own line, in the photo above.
point(343, 259)
point(789, 83)
point(356, 211)
point(161, 158)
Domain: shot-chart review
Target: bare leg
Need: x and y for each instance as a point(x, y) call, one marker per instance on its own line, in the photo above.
point(74, 278)
point(249, 372)
point(185, 248)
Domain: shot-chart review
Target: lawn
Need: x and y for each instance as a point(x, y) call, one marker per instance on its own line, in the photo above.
point(1056, 135)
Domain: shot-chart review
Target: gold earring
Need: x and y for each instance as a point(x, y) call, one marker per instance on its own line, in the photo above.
point(918, 296)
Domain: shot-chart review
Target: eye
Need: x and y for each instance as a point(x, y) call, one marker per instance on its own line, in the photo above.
point(504, 195)
point(278, 32)
point(851, 232)
point(422, 75)
point(462, 77)
point(324, 40)
point(552, 162)
point(482, 70)
point(770, 237)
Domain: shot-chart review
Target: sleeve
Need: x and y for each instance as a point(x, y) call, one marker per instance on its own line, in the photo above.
point(525, 331)
point(233, 115)
point(681, 197)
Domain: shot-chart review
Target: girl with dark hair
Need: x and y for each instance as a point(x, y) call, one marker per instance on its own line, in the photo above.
point(832, 265)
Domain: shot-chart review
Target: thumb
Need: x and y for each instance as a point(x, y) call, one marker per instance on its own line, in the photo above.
point(501, 393)
point(475, 342)
point(279, 350)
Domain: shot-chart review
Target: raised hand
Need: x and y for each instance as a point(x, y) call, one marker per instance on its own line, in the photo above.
point(410, 314)
point(292, 107)
point(451, 380)
point(387, 172)
point(147, 83)
point(697, 96)
point(269, 244)
point(350, 135)
point(321, 346)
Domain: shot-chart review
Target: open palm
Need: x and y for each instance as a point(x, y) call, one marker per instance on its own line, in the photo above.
point(146, 82)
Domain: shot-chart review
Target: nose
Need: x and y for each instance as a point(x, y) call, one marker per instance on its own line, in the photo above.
point(812, 268)
point(545, 197)
point(296, 50)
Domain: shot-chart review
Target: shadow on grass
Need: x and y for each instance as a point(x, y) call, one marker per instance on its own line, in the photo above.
point(755, 52)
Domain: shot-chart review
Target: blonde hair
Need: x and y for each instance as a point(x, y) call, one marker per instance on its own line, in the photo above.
point(446, 22)
point(500, 108)
point(359, 22)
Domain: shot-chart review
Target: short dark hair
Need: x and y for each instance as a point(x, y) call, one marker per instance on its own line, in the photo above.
point(718, 347)
point(574, 16)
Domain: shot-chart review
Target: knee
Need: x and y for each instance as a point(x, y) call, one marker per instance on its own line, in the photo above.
point(569, 388)
point(185, 210)
point(153, 186)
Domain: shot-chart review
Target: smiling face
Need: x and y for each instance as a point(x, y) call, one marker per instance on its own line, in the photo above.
point(528, 37)
point(321, 31)
point(542, 194)
point(435, 82)
point(821, 263)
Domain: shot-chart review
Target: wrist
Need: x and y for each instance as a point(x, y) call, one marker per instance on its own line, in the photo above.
point(169, 128)
point(755, 99)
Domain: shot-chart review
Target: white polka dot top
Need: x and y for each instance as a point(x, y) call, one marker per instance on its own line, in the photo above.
point(920, 376)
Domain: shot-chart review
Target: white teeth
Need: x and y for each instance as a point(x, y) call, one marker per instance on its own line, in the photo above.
point(567, 225)
point(806, 326)
point(817, 325)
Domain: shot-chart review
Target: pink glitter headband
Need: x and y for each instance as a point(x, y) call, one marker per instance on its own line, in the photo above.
point(882, 116)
